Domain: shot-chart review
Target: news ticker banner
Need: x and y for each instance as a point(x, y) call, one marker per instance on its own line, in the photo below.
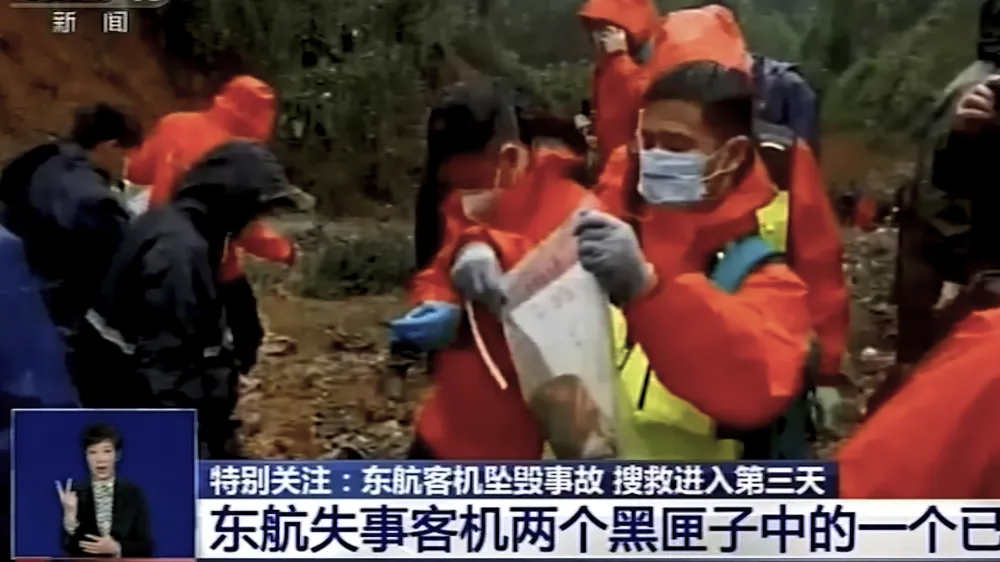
point(380, 510)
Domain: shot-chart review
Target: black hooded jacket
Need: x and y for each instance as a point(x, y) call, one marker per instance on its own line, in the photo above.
point(160, 313)
point(70, 221)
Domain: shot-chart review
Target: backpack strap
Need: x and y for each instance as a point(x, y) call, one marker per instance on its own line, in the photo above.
point(740, 260)
point(775, 145)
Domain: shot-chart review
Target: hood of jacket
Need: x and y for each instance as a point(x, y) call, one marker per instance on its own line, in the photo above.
point(246, 107)
point(230, 187)
point(639, 18)
point(703, 34)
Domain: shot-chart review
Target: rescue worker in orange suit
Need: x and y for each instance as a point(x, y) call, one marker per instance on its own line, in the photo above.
point(626, 33)
point(245, 108)
point(927, 440)
point(503, 199)
point(815, 248)
point(738, 358)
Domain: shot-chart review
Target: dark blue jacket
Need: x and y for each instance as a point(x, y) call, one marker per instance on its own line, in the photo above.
point(32, 359)
point(786, 99)
point(70, 221)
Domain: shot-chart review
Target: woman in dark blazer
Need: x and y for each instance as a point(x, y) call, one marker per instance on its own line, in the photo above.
point(107, 516)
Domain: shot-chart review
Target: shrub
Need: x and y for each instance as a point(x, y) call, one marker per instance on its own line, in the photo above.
point(372, 262)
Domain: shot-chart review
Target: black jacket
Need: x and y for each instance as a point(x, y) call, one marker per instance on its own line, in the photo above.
point(129, 522)
point(70, 221)
point(158, 335)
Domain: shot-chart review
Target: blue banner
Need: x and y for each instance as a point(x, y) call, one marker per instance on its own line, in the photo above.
point(563, 480)
point(157, 459)
point(598, 528)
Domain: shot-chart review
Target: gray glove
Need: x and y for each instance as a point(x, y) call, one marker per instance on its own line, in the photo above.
point(477, 276)
point(609, 250)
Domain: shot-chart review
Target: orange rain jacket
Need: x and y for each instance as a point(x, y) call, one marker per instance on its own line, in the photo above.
point(467, 416)
point(739, 357)
point(934, 440)
point(617, 88)
point(815, 249)
point(245, 108)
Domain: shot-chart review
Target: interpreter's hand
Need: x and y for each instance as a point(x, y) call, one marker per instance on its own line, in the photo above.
point(105, 545)
point(478, 277)
point(430, 326)
point(977, 105)
point(612, 40)
point(609, 250)
point(68, 499)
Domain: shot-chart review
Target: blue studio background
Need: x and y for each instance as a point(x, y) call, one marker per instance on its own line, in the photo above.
point(158, 455)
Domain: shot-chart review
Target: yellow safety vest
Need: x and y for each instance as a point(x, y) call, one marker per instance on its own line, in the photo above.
point(655, 424)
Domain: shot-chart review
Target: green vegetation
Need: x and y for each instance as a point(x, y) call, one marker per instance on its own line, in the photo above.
point(356, 75)
point(369, 263)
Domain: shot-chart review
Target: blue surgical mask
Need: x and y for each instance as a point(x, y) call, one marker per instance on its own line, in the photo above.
point(672, 178)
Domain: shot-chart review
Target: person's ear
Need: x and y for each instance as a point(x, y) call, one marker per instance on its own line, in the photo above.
point(513, 159)
point(118, 456)
point(734, 154)
point(511, 155)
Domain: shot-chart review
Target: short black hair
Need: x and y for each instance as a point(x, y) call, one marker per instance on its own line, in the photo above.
point(99, 433)
point(103, 122)
point(725, 95)
point(470, 116)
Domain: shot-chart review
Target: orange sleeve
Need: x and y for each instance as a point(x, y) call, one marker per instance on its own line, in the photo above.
point(434, 283)
point(816, 254)
point(618, 88)
point(738, 358)
point(260, 240)
point(142, 161)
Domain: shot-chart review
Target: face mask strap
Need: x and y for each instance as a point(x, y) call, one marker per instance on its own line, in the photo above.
point(717, 173)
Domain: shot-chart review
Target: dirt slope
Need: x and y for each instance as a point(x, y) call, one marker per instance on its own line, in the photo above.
point(44, 76)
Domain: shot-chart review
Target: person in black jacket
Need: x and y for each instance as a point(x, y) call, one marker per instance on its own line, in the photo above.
point(57, 198)
point(105, 517)
point(158, 336)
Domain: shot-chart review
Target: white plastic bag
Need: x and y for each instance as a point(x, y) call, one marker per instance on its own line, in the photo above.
point(558, 327)
point(136, 198)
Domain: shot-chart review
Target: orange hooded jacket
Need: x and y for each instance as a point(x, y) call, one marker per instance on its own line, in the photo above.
point(467, 416)
point(739, 357)
point(245, 108)
point(934, 440)
point(815, 249)
point(618, 85)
